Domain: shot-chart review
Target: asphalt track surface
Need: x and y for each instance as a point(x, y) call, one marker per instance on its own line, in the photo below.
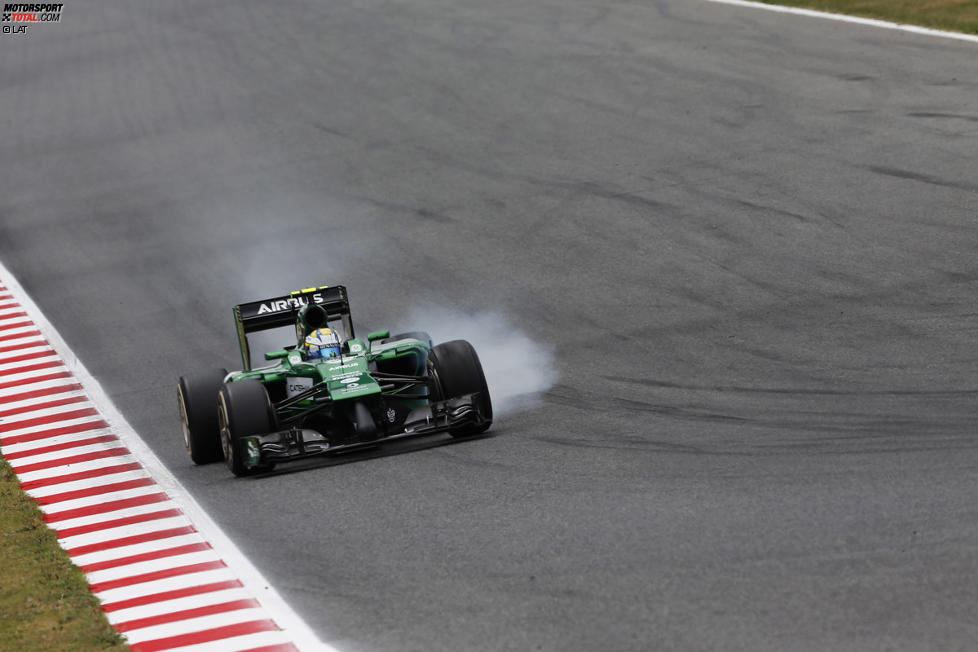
point(749, 238)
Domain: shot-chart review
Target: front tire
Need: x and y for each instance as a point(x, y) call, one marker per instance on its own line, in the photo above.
point(197, 398)
point(243, 409)
point(458, 372)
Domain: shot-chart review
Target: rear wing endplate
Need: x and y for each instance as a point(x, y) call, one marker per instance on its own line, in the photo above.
point(283, 311)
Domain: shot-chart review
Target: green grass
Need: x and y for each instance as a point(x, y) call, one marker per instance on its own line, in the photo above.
point(45, 604)
point(950, 15)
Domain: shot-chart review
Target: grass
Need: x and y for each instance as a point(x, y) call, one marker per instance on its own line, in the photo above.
point(45, 604)
point(949, 15)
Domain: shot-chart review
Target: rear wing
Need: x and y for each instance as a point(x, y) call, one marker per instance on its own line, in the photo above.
point(284, 311)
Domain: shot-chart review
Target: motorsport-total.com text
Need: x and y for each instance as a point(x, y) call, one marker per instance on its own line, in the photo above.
point(32, 13)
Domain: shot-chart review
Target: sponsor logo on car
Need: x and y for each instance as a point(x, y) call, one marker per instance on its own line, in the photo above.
point(291, 302)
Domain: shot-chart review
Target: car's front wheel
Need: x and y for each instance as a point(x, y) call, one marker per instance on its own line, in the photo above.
point(458, 372)
point(243, 409)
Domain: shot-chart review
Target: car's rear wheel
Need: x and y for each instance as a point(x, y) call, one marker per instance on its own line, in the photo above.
point(243, 409)
point(197, 396)
point(458, 372)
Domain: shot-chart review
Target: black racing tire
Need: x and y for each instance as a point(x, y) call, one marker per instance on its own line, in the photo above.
point(243, 409)
point(197, 398)
point(458, 372)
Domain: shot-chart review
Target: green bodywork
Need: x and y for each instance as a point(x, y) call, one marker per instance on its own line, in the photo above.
point(381, 388)
point(346, 377)
point(388, 376)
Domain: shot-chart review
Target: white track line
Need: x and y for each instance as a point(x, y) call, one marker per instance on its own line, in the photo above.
point(849, 19)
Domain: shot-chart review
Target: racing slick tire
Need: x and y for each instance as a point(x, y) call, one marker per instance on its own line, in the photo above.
point(243, 409)
point(197, 396)
point(458, 370)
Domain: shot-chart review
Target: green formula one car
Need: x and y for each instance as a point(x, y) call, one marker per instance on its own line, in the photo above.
point(329, 391)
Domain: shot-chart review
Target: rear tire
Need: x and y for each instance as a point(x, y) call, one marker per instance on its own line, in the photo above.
point(458, 372)
point(243, 409)
point(197, 398)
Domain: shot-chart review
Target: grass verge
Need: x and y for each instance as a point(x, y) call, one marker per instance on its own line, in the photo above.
point(948, 15)
point(45, 604)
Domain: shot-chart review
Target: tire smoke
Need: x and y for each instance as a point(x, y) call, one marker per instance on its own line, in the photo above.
point(518, 369)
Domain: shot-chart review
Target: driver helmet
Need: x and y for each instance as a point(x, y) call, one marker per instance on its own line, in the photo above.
point(322, 343)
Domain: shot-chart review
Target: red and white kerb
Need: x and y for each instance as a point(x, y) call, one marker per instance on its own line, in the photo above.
point(161, 583)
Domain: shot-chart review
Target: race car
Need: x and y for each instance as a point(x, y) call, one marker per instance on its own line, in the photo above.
point(328, 391)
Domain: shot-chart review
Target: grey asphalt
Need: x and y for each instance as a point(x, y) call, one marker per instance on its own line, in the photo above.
point(748, 240)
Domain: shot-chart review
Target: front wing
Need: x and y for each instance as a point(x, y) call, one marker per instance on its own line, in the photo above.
point(298, 443)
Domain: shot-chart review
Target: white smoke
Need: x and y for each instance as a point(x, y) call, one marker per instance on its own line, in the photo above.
point(518, 369)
